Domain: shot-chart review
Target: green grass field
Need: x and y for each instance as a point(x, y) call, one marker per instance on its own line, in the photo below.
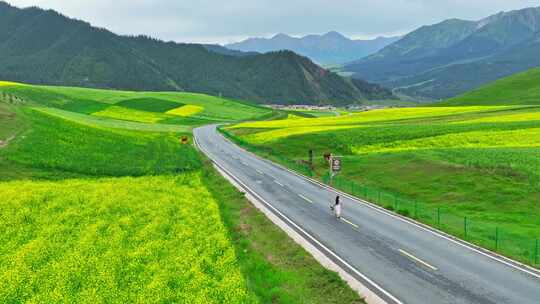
point(89, 101)
point(476, 162)
point(103, 210)
point(518, 89)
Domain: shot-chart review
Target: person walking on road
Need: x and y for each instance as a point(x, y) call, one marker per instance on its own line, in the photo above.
point(337, 207)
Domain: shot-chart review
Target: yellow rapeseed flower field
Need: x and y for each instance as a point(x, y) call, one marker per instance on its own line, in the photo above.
point(116, 240)
point(187, 110)
point(9, 83)
point(273, 135)
point(375, 116)
point(512, 117)
point(478, 139)
point(122, 113)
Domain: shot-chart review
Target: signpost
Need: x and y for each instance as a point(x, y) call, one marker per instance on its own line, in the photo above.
point(335, 166)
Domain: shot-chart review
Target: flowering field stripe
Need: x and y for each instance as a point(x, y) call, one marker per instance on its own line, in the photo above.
point(187, 110)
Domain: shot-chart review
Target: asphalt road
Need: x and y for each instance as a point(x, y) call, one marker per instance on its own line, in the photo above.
point(398, 260)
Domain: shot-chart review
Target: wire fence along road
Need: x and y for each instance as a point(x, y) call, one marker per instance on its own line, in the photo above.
point(486, 235)
point(393, 256)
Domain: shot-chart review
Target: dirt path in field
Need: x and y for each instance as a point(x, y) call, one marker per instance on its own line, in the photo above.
point(4, 143)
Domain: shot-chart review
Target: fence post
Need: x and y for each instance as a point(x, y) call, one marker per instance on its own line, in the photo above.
point(365, 191)
point(439, 216)
point(536, 247)
point(465, 226)
point(496, 238)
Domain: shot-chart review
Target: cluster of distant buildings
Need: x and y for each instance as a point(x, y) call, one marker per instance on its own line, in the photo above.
point(326, 107)
point(302, 107)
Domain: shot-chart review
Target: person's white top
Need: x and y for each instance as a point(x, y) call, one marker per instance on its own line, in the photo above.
point(337, 210)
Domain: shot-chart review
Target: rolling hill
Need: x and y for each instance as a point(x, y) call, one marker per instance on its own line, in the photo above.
point(118, 210)
point(151, 111)
point(44, 47)
point(519, 89)
point(330, 48)
point(452, 57)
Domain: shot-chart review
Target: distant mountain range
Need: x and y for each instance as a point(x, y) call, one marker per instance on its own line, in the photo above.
point(44, 47)
point(330, 48)
point(455, 56)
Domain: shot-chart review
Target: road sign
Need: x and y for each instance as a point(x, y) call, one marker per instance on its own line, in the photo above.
point(336, 164)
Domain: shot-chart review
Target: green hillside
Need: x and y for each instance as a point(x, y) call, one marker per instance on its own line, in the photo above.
point(107, 210)
point(518, 89)
point(124, 109)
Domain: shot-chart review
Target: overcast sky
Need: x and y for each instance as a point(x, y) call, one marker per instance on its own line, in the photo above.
point(224, 21)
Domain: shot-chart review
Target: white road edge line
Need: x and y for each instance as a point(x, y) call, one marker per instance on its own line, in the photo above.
point(306, 199)
point(313, 239)
point(412, 257)
point(492, 255)
point(349, 222)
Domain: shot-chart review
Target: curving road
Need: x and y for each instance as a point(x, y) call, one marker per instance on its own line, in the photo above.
point(398, 260)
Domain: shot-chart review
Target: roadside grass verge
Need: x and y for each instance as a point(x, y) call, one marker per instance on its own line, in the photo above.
point(276, 269)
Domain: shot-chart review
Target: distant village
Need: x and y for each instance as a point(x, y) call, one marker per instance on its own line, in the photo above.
point(326, 107)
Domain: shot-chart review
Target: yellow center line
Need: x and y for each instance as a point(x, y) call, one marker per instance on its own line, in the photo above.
point(412, 257)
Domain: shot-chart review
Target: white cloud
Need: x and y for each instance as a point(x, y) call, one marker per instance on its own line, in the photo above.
point(226, 21)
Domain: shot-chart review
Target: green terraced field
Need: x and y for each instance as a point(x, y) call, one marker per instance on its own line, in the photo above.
point(110, 210)
point(178, 126)
point(149, 104)
point(88, 101)
point(128, 114)
point(482, 163)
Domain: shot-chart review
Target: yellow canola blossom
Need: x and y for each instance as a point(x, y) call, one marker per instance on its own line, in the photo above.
point(477, 139)
point(378, 116)
point(130, 239)
point(187, 110)
point(268, 136)
point(9, 83)
point(517, 117)
point(122, 113)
